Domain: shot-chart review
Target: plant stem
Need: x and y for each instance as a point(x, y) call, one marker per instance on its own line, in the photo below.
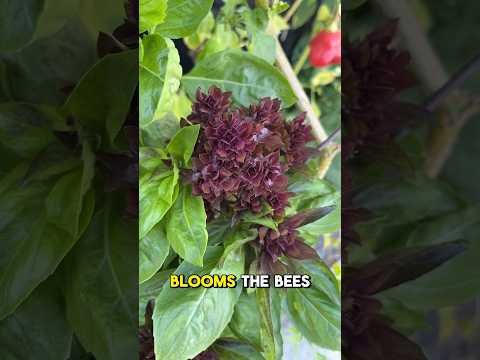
point(303, 102)
point(328, 154)
point(329, 139)
point(301, 61)
point(457, 80)
point(291, 11)
point(433, 76)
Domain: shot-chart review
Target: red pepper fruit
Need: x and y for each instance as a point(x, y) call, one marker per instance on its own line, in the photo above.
point(326, 48)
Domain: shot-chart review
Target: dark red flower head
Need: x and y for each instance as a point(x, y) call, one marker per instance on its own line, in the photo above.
point(286, 240)
point(243, 154)
point(209, 106)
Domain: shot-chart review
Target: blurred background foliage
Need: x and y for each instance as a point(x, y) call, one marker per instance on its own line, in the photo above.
point(441, 309)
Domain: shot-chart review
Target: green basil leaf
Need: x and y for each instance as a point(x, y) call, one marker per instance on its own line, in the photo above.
point(186, 321)
point(408, 201)
point(256, 219)
point(276, 311)
point(223, 38)
point(266, 323)
point(157, 194)
point(43, 235)
point(160, 131)
point(18, 22)
point(237, 239)
point(105, 320)
point(187, 227)
point(310, 194)
point(230, 350)
point(25, 129)
point(153, 250)
point(203, 32)
point(456, 281)
point(159, 78)
point(101, 100)
point(183, 17)
point(320, 276)
point(312, 309)
point(248, 77)
point(149, 290)
point(182, 145)
point(245, 322)
point(326, 225)
point(305, 11)
point(152, 13)
point(66, 55)
point(264, 46)
point(217, 230)
point(65, 203)
point(38, 329)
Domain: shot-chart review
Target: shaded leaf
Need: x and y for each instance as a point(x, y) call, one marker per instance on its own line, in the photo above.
point(40, 323)
point(105, 321)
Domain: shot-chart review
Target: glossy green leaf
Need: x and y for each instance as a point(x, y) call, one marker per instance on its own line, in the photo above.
point(248, 77)
point(245, 323)
point(182, 144)
point(320, 276)
point(159, 78)
point(187, 228)
point(153, 250)
point(267, 221)
point(203, 32)
point(230, 350)
point(310, 194)
point(156, 196)
point(38, 329)
point(223, 38)
point(236, 239)
point(328, 224)
point(276, 312)
point(183, 17)
point(152, 13)
point(159, 132)
point(264, 46)
point(314, 313)
point(105, 321)
point(101, 100)
point(188, 320)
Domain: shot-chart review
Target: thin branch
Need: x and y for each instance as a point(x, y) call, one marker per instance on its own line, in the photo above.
point(328, 154)
point(434, 77)
point(303, 101)
point(457, 80)
point(291, 11)
point(301, 61)
point(428, 66)
point(329, 139)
